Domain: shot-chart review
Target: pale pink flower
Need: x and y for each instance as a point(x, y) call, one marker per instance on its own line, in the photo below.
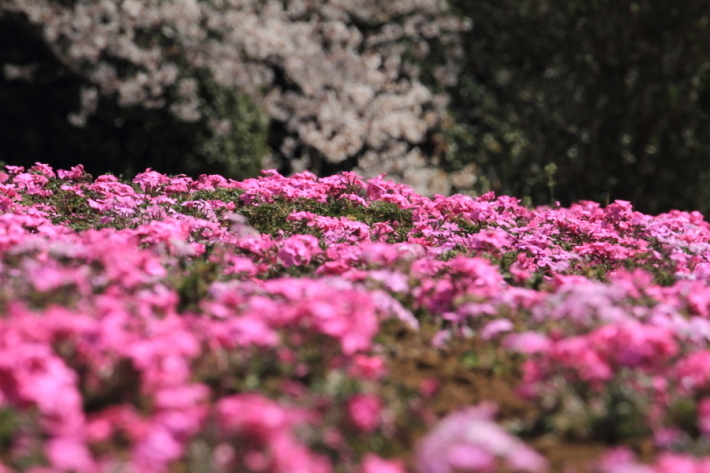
point(469, 440)
point(621, 460)
point(371, 463)
point(496, 327)
point(528, 342)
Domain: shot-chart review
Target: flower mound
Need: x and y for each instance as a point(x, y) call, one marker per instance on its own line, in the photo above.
point(172, 324)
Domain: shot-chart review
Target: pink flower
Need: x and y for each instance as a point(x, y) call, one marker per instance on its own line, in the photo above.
point(470, 458)
point(621, 460)
point(528, 342)
point(257, 417)
point(364, 410)
point(373, 464)
point(634, 344)
point(495, 327)
point(69, 454)
point(370, 368)
point(209, 182)
point(676, 463)
point(76, 172)
point(699, 298)
point(522, 268)
point(346, 314)
point(429, 386)
point(150, 180)
point(576, 353)
point(704, 416)
point(181, 397)
point(693, 371)
point(156, 449)
point(43, 169)
point(32, 184)
point(469, 440)
point(14, 169)
point(299, 250)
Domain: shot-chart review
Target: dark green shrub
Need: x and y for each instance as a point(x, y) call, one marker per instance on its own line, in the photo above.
point(615, 93)
point(122, 140)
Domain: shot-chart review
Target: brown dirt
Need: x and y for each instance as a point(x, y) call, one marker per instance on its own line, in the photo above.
point(463, 382)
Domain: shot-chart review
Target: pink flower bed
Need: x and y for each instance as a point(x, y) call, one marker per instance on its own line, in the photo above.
point(149, 326)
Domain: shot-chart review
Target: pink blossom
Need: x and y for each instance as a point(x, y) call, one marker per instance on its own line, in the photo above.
point(367, 367)
point(371, 463)
point(494, 328)
point(704, 416)
point(69, 454)
point(621, 460)
point(364, 411)
point(156, 449)
point(259, 418)
point(528, 342)
point(181, 396)
point(349, 317)
point(14, 169)
point(76, 172)
point(633, 344)
point(150, 180)
point(117, 295)
point(43, 169)
point(32, 184)
point(429, 386)
point(693, 371)
point(682, 463)
point(578, 354)
point(298, 250)
point(469, 440)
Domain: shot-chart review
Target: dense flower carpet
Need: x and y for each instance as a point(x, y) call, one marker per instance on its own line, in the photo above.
point(333, 324)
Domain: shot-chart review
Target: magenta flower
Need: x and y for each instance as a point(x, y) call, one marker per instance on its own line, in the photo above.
point(704, 416)
point(150, 180)
point(70, 454)
point(32, 184)
point(633, 344)
point(371, 368)
point(578, 354)
point(693, 371)
point(364, 411)
point(298, 250)
point(76, 172)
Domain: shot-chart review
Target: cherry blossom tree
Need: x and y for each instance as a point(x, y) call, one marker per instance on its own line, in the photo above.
point(341, 82)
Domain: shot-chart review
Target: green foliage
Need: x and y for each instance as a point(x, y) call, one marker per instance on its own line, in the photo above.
point(270, 218)
point(615, 93)
point(578, 413)
point(236, 151)
point(193, 287)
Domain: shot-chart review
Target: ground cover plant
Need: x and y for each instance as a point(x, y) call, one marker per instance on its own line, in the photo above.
point(341, 325)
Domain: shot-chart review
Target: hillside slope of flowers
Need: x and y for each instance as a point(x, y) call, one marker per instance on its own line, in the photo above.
point(341, 325)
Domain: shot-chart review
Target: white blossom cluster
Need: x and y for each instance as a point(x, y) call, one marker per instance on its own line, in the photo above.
point(340, 75)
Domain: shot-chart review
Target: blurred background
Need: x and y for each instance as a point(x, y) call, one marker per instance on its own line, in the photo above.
point(545, 100)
